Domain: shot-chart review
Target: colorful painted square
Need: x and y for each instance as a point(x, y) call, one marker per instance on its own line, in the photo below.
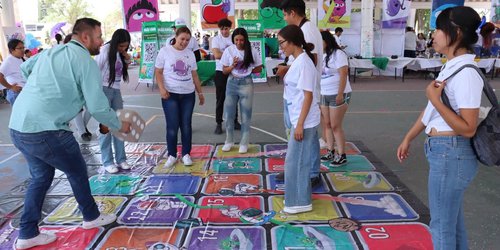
point(141, 238)
point(236, 165)
point(69, 238)
point(231, 212)
point(311, 237)
point(324, 209)
point(378, 207)
point(396, 236)
point(154, 210)
point(199, 167)
point(224, 237)
point(253, 151)
point(354, 163)
point(233, 184)
point(275, 150)
point(359, 182)
point(279, 186)
point(170, 184)
point(350, 149)
point(275, 164)
point(110, 184)
point(197, 151)
point(68, 213)
point(8, 236)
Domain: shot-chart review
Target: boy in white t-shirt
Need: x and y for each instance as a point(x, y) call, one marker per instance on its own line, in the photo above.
point(219, 44)
point(10, 70)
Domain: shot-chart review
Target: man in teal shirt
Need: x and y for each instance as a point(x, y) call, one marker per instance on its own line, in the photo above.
point(60, 81)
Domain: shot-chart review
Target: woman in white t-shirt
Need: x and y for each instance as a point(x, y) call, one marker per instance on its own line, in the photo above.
point(303, 145)
point(239, 61)
point(448, 148)
point(335, 97)
point(113, 61)
point(10, 70)
point(177, 79)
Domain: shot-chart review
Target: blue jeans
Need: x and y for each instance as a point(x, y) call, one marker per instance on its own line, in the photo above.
point(238, 90)
point(105, 140)
point(453, 165)
point(288, 128)
point(45, 152)
point(178, 109)
point(300, 159)
point(11, 96)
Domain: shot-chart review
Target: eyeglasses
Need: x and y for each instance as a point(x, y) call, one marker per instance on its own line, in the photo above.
point(281, 43)
point(21, 48)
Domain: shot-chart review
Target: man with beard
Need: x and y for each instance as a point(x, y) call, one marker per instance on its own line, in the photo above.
point(60, 82)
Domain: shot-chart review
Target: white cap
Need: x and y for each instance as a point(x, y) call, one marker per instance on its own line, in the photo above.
point(179, 22)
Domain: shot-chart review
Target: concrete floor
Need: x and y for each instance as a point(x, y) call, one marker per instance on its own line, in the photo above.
point(381, 111)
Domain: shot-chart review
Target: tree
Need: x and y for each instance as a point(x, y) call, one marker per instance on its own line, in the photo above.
point(63, 10)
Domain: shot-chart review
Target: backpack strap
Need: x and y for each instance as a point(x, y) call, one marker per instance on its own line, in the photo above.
point(487, 89)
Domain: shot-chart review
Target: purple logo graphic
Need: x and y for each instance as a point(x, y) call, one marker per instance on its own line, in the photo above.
point(393, 7)
point(240, 69)
point(180, 68)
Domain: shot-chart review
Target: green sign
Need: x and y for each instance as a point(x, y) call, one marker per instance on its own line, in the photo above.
point(251, 26)
point(154, 37)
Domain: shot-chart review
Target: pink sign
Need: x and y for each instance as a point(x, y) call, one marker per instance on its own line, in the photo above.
point(137, 11)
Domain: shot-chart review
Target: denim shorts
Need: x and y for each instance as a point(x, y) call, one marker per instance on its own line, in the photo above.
point(329, 100)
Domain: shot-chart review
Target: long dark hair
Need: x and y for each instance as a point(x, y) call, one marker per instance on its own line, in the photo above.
point(331, 45)
point(293, 34)
point(178, 32)
point(247, 58)
point(120, 36)
point(453, 19)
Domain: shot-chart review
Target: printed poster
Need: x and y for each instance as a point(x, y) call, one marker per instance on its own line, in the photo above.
point(259, 45)
point(136, 12)
point(333, 14)
point(271, 14)
point(214, 10)
point(395, 13)
point(154, 37)
point(440, 5)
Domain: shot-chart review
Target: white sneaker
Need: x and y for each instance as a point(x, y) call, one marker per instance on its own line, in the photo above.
point(298, 209)
point(102, 220)
point(322, 143)
point(170, 161)
point(39, 240)
point(186, 160)
point(112, 169)
point(227, 146)
point(125, 165)
point(243, 149)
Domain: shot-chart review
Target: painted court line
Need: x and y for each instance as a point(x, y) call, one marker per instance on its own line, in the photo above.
point(11, 157)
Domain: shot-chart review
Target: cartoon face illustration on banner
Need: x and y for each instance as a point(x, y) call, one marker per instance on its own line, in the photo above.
point(393, 7)
point(137, 12)
point(272, 15)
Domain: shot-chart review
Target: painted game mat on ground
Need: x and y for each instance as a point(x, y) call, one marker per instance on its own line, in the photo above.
point(227, 201)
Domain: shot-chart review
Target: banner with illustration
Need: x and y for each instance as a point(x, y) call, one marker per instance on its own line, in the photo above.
point(395, 13)
point(333, 14)
point(495, 11)
point(271, 14)
point(214, 10)
point(258, 44)
point(135, 12)
point(154, 37)
point(440, 5)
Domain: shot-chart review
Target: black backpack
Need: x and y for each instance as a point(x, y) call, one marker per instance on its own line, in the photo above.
point(486, 141)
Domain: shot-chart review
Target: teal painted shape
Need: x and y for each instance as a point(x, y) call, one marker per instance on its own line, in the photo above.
point(311, 237)
point(236, 165)
point(354, 163)
point(114, 184)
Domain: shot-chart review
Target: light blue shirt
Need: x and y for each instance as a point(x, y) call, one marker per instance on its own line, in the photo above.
point(60, 81)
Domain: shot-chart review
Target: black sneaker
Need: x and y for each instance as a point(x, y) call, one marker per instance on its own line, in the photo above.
point(339, 160)
point(328, 156)
point(315, 181)
point(280, 177)
point(218, 129)
point(237, 125)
